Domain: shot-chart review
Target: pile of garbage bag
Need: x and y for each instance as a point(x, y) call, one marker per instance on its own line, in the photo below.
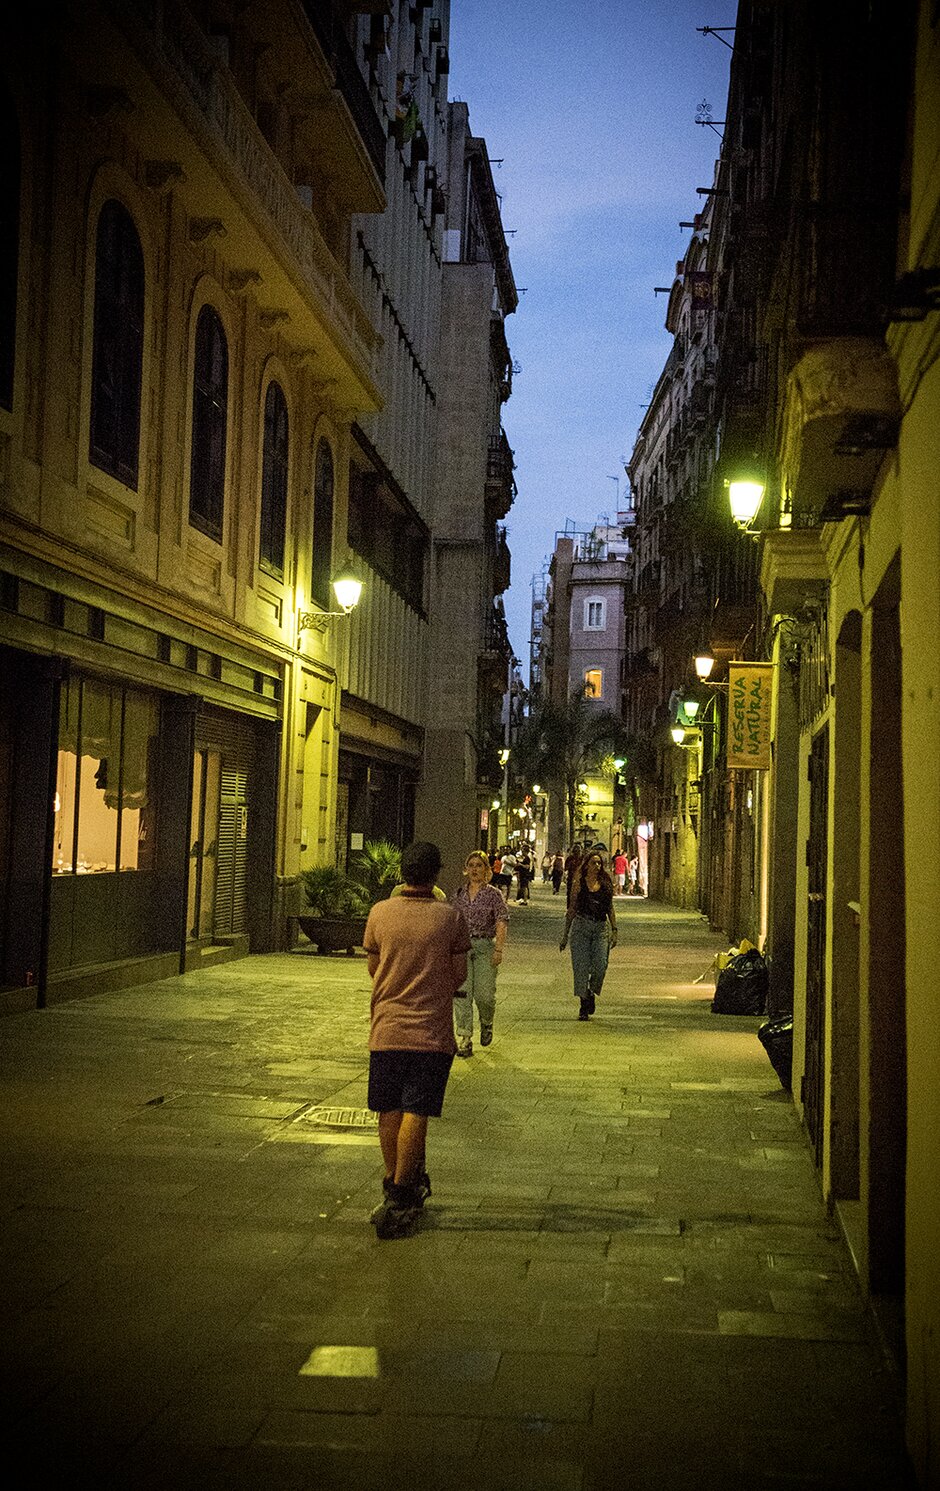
point(742, 982)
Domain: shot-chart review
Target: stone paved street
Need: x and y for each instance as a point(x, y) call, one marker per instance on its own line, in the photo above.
point(625, 1277)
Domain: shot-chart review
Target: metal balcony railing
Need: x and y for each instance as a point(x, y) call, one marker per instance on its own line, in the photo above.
point(327, 26)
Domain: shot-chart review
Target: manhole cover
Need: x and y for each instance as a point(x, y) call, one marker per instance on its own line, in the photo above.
point(342, 1118)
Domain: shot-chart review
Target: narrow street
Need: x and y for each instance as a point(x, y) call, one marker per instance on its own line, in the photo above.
point(625, 1276)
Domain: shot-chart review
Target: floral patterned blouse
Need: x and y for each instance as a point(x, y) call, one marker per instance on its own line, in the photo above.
point(483, 912)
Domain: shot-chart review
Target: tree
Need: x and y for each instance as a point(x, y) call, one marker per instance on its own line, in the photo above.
point(564, 743)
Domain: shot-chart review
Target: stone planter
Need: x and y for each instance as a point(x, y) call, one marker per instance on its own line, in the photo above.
point(331, 934)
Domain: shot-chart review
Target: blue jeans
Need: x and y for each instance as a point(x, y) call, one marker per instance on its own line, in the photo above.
point(480, 986)
point(590, 949)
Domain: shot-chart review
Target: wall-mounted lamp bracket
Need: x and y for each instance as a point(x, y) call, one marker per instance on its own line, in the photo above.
point(317, 621)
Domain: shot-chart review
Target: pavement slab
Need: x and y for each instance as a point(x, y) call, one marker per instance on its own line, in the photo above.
point(625, 1276)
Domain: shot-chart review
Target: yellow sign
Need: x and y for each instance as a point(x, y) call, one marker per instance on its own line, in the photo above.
point(750, 693)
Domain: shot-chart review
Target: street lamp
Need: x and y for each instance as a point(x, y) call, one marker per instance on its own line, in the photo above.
point(745, 494)
point(704, 663)
point(347, 588)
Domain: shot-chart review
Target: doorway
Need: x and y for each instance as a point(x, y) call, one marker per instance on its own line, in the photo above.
point(887, 994)
point(204, 844)
point(816, 855)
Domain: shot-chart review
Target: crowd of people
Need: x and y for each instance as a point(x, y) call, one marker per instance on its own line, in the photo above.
point(508, 864)
point(434, 966)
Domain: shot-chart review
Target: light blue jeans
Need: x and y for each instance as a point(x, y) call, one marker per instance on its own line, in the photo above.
point(590, 949)
point(479, 986)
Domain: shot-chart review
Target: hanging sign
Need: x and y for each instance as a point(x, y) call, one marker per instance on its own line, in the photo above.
point(750, 693)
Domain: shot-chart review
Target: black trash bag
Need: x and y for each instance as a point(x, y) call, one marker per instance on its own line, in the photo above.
point(742, 986)
point(776, 1037)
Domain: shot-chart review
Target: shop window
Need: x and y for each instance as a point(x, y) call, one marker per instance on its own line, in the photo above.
point(118, 346)
point(594, 683)
point(105, 807)
point(274, 480)
point(9, 245)
point(595, 618)
point(321, 567)
point(210, 418)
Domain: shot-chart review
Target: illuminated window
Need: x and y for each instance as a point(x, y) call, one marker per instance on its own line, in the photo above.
point(105, 810)
point(595, 614)
point(594, 683)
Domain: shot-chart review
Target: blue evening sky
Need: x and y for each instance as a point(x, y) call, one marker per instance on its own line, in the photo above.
point(591, 107)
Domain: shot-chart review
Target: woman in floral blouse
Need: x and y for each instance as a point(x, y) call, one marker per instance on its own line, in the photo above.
point(487, 922)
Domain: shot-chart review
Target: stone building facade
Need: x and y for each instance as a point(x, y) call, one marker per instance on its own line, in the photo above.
point(218, 389)
point(823, 257)
point(469, 643)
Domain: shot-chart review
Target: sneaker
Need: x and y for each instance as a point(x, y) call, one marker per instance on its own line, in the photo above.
point(486, 1035)
point(395, 1216)
point(421, 1188)
point(464, 1048)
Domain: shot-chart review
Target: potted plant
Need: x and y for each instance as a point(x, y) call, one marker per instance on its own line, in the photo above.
point(338, 903)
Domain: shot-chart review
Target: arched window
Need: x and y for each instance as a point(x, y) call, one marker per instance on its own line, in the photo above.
point(9, 245)
point(322, 563)
point(210, 414)
point(274, 480)
point(118, 347)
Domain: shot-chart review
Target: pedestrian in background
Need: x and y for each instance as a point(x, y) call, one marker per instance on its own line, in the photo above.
point(620, 871)
point(590, 912)
point(487, 919)
point(546, 867)
point(523, 876)
point(558, 872)
point(417, 948)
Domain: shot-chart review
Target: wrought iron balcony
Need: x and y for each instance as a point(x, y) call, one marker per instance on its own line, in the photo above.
point(327, 26)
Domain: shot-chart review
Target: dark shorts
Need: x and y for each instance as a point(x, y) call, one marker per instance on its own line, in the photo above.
point(408, 1081)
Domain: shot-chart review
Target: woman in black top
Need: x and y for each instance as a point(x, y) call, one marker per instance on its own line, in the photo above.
point(590, 909)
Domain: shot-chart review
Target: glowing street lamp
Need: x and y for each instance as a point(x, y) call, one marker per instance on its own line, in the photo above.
point(347, 588)
point(745, 495)
point(704, 663)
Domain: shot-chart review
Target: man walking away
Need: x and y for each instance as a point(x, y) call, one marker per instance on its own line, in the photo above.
point(417, 948)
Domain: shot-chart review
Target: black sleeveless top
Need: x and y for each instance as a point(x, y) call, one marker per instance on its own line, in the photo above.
point(593, 903)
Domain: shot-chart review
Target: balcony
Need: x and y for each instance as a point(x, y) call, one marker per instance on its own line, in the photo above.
point(500, 483)
point(841, 414)
point(502, 563)
point(230, 172)
point(495, 652)
point(327, 27)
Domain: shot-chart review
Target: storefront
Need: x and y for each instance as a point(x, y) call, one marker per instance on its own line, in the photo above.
point(138, 797)
point(379, 769)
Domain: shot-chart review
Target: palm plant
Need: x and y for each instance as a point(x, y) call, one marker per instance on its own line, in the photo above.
point(563, 743)
point(331, 892)
point(377, 867)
